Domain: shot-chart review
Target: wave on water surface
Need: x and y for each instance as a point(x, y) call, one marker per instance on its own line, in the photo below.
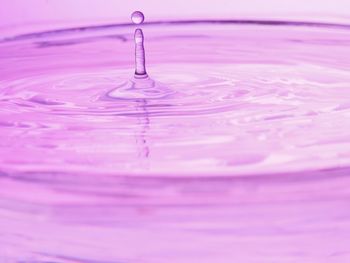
point(238, 142)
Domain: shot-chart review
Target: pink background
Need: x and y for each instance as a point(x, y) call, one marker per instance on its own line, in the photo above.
point(17, 16)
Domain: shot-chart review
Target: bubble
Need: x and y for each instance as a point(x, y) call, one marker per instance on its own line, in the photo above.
point(137, 17)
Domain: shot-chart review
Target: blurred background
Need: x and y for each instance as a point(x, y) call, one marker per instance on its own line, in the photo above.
point(18, 16)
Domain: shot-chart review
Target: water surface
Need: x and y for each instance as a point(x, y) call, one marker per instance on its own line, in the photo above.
point(240, 154)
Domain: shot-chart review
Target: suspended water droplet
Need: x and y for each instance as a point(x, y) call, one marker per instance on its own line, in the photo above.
point(137, 17)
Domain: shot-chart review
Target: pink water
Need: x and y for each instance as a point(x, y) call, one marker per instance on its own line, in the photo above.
point(239, 151)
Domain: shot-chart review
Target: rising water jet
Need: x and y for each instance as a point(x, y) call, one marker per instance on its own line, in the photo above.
point(140, 61)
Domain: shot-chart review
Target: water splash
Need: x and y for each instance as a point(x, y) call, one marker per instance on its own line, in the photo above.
point(140, 61)
point(141, 86)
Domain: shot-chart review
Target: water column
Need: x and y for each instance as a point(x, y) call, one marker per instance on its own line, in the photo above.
point(140, 61)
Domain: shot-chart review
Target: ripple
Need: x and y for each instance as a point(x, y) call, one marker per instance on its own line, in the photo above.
point(236, 108)
point(238, 143)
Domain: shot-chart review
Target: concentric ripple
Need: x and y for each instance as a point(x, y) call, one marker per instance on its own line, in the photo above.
point(236, 150)
point(217, 101)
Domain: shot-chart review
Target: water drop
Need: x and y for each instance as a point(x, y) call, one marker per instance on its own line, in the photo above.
point(137, 17)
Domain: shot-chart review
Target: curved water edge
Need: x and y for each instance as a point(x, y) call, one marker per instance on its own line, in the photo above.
point(241, 22)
